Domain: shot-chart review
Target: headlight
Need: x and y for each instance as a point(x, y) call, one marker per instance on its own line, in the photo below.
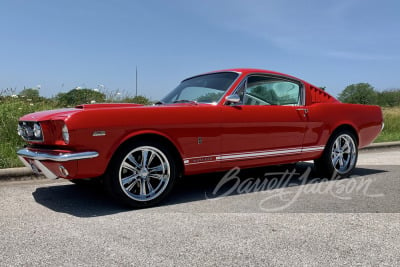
point(37, 130)
point(30, 131)
point(65, 134)
point(20, 130)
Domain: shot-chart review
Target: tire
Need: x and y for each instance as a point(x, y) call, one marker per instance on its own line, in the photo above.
point(141, 174)
point(339, 157)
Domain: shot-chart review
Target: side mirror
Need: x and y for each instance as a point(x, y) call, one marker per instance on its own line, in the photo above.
point(234, 99)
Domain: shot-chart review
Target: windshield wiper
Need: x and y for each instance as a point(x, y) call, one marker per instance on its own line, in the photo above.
point(186, 101)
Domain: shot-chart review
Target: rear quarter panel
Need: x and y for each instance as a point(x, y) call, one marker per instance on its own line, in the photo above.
point(325, 118)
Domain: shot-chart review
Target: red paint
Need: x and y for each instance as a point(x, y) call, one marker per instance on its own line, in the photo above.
point(224, 130)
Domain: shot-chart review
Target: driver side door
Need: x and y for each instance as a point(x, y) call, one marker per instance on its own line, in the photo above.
point(267, 127)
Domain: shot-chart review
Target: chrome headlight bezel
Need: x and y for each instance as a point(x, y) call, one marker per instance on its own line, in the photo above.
point(20, 130)
point(30, 131)
point(37, 130)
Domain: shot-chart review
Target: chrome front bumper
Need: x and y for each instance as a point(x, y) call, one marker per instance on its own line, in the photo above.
point(36, 156)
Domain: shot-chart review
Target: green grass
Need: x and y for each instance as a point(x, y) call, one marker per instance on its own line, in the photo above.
point(10, 111)
point(13, 108)
point(391, 131)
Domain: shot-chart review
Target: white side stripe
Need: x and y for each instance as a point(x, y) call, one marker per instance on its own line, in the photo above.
point(313, 148)
point(250, 155)
point(259, 154)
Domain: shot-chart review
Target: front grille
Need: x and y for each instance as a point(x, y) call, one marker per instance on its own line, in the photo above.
point(26, 129)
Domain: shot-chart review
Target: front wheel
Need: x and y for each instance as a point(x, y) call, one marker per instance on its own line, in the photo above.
point(141, 174)
point(339, 157)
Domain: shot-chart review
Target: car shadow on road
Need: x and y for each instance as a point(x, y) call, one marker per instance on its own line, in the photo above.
point(93, 201)
point(77, 200)
point(200, 187)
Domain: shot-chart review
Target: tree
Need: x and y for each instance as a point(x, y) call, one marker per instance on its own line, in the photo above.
point(209, 97)
point(80, 96)
point(137, 100)
point(360, 93)
point(389, 98)
point(30, 93)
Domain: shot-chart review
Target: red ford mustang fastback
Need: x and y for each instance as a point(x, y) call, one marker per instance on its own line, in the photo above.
point(210, 122)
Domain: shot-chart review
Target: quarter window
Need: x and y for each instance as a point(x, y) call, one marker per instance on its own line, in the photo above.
point(271, 91)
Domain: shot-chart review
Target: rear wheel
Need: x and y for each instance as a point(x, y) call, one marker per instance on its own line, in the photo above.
point(340, 155)
point(141, 174)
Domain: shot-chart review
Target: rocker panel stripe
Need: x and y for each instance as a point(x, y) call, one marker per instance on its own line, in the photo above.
point(250, 155)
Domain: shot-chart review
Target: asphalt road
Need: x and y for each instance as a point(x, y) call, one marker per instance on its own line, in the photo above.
point(289, 218)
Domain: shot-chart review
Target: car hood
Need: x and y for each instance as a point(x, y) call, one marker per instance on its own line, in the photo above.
point(60, 114)
point(49, 115)
point(100, 109)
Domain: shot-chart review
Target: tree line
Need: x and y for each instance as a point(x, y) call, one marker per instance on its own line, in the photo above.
point(360, 93)
point(364, 93)
point(79, 96)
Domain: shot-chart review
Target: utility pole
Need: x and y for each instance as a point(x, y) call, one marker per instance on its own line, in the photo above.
point(136, 82)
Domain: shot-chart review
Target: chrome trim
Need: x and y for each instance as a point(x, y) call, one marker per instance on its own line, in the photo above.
point(63, 170)
point(233, 98)
point(37, 127)
point(343, 154)
point(302, 100)
point(60, 157)
point(49, 174)
point(148, 179)
point(239, 73)
point(26, 163)
point(250, 155)
point(305, 111)
point(65, 133)
point(99, 133)
point(222, 98)
point(23, 123)
point(38, 165)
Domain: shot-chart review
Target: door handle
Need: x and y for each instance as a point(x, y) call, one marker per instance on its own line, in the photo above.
point(305, 110)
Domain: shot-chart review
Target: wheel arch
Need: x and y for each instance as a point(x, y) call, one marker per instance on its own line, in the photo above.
point(324, 165)
point(346, 127)
point(152, 136)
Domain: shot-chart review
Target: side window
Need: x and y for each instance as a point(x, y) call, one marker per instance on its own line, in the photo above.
point(271, 91)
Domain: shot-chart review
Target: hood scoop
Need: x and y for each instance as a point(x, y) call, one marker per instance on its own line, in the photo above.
point(107, 105)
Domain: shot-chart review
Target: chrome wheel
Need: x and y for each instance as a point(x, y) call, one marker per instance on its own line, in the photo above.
point(144, 173)
point(343, 154)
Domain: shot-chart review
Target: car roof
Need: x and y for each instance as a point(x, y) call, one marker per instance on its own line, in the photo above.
point(245, 71)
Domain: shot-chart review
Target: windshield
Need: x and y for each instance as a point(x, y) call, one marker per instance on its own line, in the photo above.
point(208, 88)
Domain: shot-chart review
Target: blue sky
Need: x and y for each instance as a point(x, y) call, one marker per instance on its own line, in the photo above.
point(62, 44)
